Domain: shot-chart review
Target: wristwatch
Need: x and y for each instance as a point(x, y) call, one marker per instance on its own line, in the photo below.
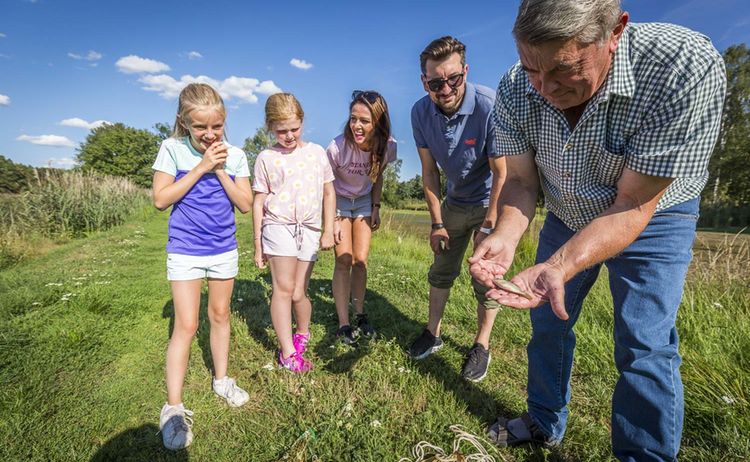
point(438, 226)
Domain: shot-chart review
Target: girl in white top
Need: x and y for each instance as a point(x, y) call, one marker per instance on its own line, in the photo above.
point(292, 180)
point(203, 179)
point(358, 158)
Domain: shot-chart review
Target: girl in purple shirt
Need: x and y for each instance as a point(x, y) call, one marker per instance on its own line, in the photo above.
point(358, 158)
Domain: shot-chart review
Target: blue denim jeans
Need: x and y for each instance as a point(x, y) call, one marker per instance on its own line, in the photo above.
point(646, 281)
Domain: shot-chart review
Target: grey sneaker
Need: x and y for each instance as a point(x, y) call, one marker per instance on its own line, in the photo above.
point(174, 425)
point(512, 432)
point(364, 326)
point(476, 364)
point(425, 345)
point(346, 335)
point(228, 389)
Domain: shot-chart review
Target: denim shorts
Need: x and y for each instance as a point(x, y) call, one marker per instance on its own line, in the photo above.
point(290, 241)
point(188, 267)
point(354, 208)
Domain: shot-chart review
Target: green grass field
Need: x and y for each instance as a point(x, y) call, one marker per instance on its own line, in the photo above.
point(84, 328)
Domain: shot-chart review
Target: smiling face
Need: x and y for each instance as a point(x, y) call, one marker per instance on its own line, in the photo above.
point(567, 73)
point(360, 123)
point(206, 126)
point(287, 133)
point(448, 98)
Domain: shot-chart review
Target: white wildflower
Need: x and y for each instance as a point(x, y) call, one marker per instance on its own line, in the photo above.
point(728, 399)
point(268, 367)
point(376, 424)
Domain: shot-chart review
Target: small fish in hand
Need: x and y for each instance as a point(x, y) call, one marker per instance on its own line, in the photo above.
point(512, 288)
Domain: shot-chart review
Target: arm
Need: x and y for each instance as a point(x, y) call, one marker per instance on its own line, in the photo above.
point(431, 188)
point(329, 212)
point(635, 203)
point(258, 203)
point(377, 194)
point(167, 191)
point(516, 206)
point(239, 191)
point(497, 165)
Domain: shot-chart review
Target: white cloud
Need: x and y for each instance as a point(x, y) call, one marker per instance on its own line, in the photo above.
point(80, 123)
point(4, 100)
point(135, 64)
point(2, 35)
point(64, 162)
point(194, 55)
point(90, 56)
point(242, 88)
point(48, 140)
point(300, 64)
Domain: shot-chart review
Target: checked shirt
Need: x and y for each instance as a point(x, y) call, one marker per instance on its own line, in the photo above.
point(658, 113)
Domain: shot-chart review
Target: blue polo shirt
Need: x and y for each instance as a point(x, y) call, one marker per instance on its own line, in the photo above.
point(460, 144)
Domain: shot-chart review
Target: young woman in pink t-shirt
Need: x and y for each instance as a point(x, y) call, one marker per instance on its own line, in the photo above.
point(293, 191)
point(358, 158)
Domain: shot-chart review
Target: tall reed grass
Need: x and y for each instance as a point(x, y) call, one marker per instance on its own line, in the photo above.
point(64, 204)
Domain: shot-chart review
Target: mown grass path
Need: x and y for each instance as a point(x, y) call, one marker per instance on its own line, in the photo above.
point(83, 332)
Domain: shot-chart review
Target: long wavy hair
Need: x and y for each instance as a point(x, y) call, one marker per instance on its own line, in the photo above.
point(381, 131)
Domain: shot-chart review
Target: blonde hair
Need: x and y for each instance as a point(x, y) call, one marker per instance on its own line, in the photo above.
point(192, 97)
point(281, 107)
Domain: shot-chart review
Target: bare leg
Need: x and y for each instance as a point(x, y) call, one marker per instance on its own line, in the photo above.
point(361, 235)
point(485, 321)
point(186, 296)
point(342, 271)
point(300, 302)
point(283, 270)
point(219, 298)
point(438, 299)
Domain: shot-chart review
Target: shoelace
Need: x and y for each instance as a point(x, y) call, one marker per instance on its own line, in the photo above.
point(185, 423)
point(231, 389)
point(474, 356)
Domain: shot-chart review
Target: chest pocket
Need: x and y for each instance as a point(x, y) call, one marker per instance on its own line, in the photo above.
point(607, 166)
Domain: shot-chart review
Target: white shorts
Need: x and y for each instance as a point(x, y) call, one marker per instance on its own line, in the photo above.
point(188, 267)
point(290, 241)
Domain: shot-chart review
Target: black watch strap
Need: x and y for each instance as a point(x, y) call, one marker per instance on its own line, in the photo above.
point(438, 226)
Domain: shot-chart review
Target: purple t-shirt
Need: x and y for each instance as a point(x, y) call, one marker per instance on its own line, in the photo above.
point(202, 222)
point(350, 166)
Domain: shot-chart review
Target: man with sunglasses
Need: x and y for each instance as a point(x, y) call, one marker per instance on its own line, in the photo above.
point(452, 130)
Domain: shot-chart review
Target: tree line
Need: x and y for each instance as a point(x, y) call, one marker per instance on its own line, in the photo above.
point(120, 150)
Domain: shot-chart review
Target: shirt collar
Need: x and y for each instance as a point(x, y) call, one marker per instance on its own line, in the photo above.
point(467, 105)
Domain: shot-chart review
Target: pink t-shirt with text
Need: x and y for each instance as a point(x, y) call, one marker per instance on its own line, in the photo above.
point(350, 166)
point(294, 184)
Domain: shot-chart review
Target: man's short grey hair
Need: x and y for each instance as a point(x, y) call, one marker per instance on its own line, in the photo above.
point(587, 21)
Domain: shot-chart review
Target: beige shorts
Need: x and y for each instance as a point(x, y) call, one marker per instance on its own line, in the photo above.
point(290, 241)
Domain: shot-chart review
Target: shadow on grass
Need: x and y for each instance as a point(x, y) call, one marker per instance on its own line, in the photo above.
point(137, 444)
point(387, 319)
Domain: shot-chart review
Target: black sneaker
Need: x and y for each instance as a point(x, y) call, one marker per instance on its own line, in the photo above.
point(476, 363)
point(425, 345)
point(345, 334)
point(364, 327)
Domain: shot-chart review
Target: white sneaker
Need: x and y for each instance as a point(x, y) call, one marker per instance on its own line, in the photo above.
point(174, 424)
point(228, 389)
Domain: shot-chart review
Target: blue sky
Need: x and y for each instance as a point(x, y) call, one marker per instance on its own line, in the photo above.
point(66, 64)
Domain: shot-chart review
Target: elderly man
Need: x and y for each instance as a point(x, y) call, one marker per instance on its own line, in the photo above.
point(452, 129)
point(616, 122)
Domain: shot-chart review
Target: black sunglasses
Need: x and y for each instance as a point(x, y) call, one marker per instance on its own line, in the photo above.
point(369, 96)
point(453, 81)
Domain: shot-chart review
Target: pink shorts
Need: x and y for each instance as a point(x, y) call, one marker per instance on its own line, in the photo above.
point(290, 241)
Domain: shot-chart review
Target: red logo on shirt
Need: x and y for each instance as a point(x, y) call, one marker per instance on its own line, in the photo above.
point(471, 141)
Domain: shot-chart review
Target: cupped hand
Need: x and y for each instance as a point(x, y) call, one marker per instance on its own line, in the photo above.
point(260, 259)
point(326, 241)
point(214, 157)
point(543, 282)
point(375, 219)
point(491, 259)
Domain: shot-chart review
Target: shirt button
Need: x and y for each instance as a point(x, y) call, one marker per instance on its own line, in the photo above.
point(569, 146)
point(567, 174)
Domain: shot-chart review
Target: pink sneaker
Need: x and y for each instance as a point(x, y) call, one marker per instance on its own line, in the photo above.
point(300, 342)
point(295, 363)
